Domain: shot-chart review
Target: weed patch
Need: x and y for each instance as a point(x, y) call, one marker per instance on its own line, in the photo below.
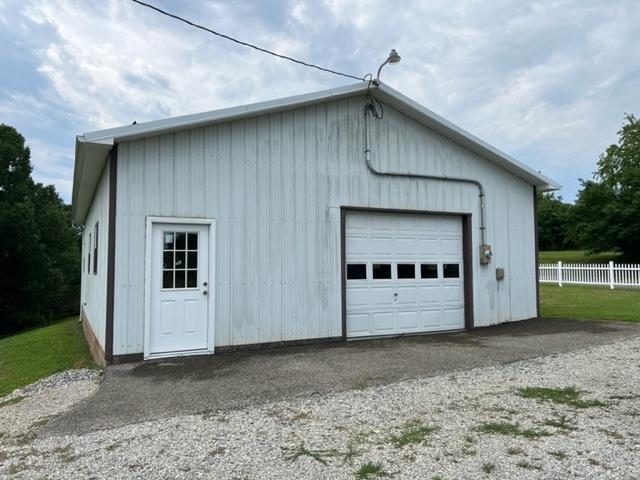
point(413, 432)
point(506, 428)
point(558, 454)
point(624, 397)
point(612, 434)
point(488, 468)
point(561, 423)
point(371, 470)
point(528, 466)
point(293, 454)
point(11, 401)
point(566, 396)
point(25, 438)
point(217, 451)
point(469, 452)
point(42, 421)
point(65, 454)
point(515, 451)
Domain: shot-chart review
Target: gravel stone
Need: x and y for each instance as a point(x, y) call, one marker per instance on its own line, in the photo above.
point(332, 435)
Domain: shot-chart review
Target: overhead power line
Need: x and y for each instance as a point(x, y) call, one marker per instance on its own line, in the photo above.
point(235, 40)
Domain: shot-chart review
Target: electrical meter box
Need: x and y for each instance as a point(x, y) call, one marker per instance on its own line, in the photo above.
point(485, 254)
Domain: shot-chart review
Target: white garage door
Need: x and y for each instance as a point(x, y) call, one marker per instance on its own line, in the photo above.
point(404, 273)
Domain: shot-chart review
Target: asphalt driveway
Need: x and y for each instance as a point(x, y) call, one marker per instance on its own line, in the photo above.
point(145, 391)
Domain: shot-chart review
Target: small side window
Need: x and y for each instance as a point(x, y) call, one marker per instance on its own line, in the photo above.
point(429, 270)
point(95, 249)
point(451, 270)
point(406, 270)
point(356, 271)
point(89, 255)
point(381, 271)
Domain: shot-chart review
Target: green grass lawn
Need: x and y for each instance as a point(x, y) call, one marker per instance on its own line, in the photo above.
point(590, 302)
point(577, 256)
point(28, 356)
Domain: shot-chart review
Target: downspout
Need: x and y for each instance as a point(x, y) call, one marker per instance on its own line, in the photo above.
point(368, 110)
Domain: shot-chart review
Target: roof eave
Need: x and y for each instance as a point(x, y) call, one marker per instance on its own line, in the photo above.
point(90, 159)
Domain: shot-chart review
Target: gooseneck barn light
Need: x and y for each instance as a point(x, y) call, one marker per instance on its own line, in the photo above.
point(392, 59)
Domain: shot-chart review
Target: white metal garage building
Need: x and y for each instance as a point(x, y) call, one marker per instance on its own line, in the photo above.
point(347, 213)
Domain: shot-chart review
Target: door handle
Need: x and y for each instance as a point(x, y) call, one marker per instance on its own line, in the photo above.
point(204, 292)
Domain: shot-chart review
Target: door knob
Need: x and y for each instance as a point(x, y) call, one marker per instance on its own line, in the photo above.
point(204, 292)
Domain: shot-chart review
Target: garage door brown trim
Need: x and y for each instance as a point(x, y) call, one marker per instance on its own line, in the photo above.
point(467, 261)
point(467, 257)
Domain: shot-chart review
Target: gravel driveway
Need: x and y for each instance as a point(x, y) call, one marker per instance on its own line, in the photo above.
point(579, 418)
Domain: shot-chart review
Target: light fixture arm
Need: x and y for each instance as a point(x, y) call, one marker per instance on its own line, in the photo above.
point(393, 58)
point(377, 80)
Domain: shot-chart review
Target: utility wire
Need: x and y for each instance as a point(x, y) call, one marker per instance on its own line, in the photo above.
point(263, 50)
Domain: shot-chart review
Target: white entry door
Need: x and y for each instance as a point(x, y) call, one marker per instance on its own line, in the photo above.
point(179, 289)
point(404, 273)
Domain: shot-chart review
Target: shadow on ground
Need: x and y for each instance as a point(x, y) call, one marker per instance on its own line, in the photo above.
point(144, 391)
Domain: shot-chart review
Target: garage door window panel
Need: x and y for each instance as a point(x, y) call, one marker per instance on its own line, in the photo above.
point(428, 270)
point(382, 271)
point(357, 271)
point(406, 271)
point(451, 270)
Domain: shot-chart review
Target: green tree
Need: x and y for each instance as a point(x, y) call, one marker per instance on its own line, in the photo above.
point(608, 207)
point(39, 250)
point(554, 223)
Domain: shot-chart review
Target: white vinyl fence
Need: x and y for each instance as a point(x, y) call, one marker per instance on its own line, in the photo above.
point(611, 274)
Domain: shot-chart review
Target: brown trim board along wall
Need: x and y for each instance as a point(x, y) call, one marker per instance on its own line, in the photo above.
point(467, 257)
point(111, 253)
point(94, 345)
point(537, 254)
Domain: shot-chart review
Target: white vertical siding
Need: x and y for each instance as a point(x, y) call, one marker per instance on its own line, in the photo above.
point(275, 185)
point(93, 291)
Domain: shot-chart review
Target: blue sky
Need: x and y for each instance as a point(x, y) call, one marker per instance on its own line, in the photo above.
point(546, 81)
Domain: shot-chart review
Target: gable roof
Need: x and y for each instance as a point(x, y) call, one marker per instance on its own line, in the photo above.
point(93, 148)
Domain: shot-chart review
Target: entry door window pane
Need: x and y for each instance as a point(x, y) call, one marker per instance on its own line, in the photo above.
point(180, 279)
point(451, 270)
point(181, 240)
point(381, 271)
point(192, 241)
point(180, 260)
point(168, 240)
point(192, 278)
point(356, 271)
point(167, 279)
point(406, 270)
point(429, 270)
point(167, 260)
